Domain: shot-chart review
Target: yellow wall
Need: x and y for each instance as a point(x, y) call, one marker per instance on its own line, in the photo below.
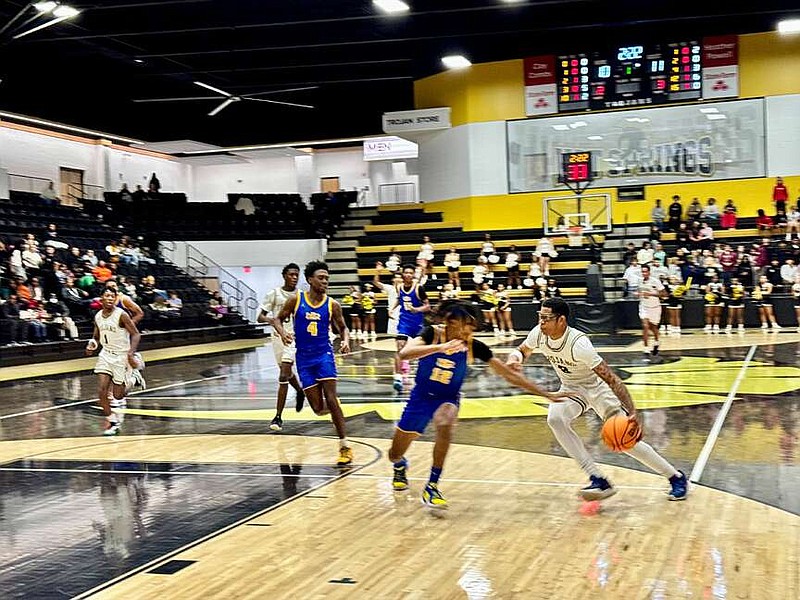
point(769, 64)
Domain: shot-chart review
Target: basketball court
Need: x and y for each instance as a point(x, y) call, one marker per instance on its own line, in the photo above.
point(197, 497)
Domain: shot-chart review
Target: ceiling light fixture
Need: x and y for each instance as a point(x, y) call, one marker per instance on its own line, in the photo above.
point(456, 61)
point(392, 7)
point(65, 12)
point(45, 7)
point(789, 26)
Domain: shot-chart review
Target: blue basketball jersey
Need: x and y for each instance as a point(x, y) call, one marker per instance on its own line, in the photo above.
point(312, 325)
point(440, 374)
point(409, 322)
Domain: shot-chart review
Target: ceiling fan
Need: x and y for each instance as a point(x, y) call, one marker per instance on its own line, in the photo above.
point(228, 99)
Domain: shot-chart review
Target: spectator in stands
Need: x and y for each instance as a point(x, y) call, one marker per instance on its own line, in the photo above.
point(658, 214)
point(793, 223)
point(154, 186)
point(655, 234)
point(780, 194)
point(695, 210)
point(129, 288)
point(53, 239)
point(675, 213)
point(728, 218)
point(632, 277)
point(22, 290)
point(535, 270)
point(645, 254)
point(89, 257)
point(60, 318)
point(764, 222)
point(683, 236)
point(36, 290)
point(512, 266)
point(49, 194)
point(31, 260)
point(674, 270)
point(728, 260)
point(102, 272)
point(744, 271)
point(706, 235)
point(86, 281)
point(658, 270)
point(660, 254)
point(216, 311)
point(630, 253)
point(139, 194)
point(711, 212)
point(37, 330)
point(552, 290)
point(780, 223)
point(789, 272)
point(76, 299)
point(125, 194)
point(773, 272)
point(425, 256)
point(174, 301)
point(10, 312)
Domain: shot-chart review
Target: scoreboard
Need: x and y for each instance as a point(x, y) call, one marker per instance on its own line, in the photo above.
point(635, 75)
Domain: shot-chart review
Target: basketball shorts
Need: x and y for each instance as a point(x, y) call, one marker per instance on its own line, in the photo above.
point(113, 364)
point(420, 410)
point(313, 369)
point(651, 313)
point(283, 353)
point(598, 396)
point(408, 330)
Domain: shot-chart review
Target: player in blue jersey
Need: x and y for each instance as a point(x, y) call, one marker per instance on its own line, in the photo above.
point(444, 351)
point(314, 313)
point(413, 303)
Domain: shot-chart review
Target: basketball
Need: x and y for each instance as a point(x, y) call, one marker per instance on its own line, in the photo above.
point(620, 433)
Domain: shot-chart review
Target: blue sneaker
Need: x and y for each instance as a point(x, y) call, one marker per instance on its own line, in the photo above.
point(598, 489)
point(398, 386)
point(680, 486)
point(432, 497)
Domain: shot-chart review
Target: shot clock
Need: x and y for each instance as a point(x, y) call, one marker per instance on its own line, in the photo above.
point(576, 167)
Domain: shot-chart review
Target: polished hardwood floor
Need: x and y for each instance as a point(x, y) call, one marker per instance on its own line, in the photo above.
point(198, 499)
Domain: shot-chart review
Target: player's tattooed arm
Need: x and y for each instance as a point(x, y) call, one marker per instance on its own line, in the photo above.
point(617, 386)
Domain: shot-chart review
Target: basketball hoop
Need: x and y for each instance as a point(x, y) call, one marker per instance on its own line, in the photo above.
point(575, 237)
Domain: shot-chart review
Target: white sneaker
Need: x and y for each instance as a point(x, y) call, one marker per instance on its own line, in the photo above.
point(373, 336)
point(764, 326)
point(110, 427)
point(677, 330)
point(707, 329)
point(741, 328)
point(776, 326)
point(716, 328)
point(729, 329)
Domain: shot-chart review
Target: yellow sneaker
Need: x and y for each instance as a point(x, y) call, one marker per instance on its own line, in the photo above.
point(432, 497)
point(400, 480)
point(345, 457)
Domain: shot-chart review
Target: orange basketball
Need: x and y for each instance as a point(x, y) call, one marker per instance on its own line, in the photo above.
point(620, 433)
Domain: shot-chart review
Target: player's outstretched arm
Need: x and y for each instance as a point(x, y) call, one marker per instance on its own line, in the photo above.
point(137, 314)
point(513, 377)
point(418, 348)
point(517, 357)
point(338, 320)
point(617, 386)
point(286, 312)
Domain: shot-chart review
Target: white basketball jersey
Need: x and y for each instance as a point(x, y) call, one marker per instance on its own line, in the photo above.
point(274, 302)
point(113, 336)
point(572, 355)
point(652, 286)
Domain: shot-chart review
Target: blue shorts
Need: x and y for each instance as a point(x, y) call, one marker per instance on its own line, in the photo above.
point(313, 369)
point(420, 410)
point(410, 330)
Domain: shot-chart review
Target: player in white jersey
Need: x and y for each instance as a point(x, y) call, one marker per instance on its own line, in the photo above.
point(116, 334)
point(284, 355)
point(390, 289)
point(590, 383)
point(135, 376)
point(650, 292)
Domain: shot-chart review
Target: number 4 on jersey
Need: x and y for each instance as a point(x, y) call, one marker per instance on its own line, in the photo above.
point(312, 328)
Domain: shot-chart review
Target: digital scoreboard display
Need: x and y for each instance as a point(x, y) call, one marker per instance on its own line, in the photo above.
point(576, 167)
point(636, 75)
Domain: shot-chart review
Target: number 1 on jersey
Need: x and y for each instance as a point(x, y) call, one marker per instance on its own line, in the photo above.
point(312, 328)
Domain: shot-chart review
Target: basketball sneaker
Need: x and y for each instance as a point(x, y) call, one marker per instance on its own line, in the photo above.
point(111, 427)
point(432, 497)
point(598, 489)
point(680, 486)
point(301, 397)
point(345, 456)
point(400, 479)
point(276, 424)
point(398, 383)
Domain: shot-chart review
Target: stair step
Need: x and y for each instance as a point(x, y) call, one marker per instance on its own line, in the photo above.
point(364, 212)
point(351, 223)
point(337, 255)
point(337, 291)
point(347, 244)
point(341, 278)
point(349, 234)
point(344, 266)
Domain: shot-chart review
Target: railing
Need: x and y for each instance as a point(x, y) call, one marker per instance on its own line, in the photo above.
point(397, 193)
point(85, 191)
point(27, 183)
point(236, 293)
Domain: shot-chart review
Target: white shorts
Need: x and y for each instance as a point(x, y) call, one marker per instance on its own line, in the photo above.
point(391, 326)
point(651, 313)
point(598, 397)
point(115, 365)
point(283, 353)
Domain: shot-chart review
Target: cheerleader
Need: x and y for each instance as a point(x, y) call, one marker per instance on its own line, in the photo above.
point(713, 296)
point(535, 270)
point(449, 292)
point(394, 261)
point(489, 301)
point(735, 295)
point(368, 304)
point(762, 298)
point(552, 290)
point(512, 265)
point(796, 296)
point(487, 248)
point(425, 256)
point(356, 311)
point(347, 306)
point(545, 250)
point(452, 260)
point(504, 319)
point(481, 271)
point(677, 291)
